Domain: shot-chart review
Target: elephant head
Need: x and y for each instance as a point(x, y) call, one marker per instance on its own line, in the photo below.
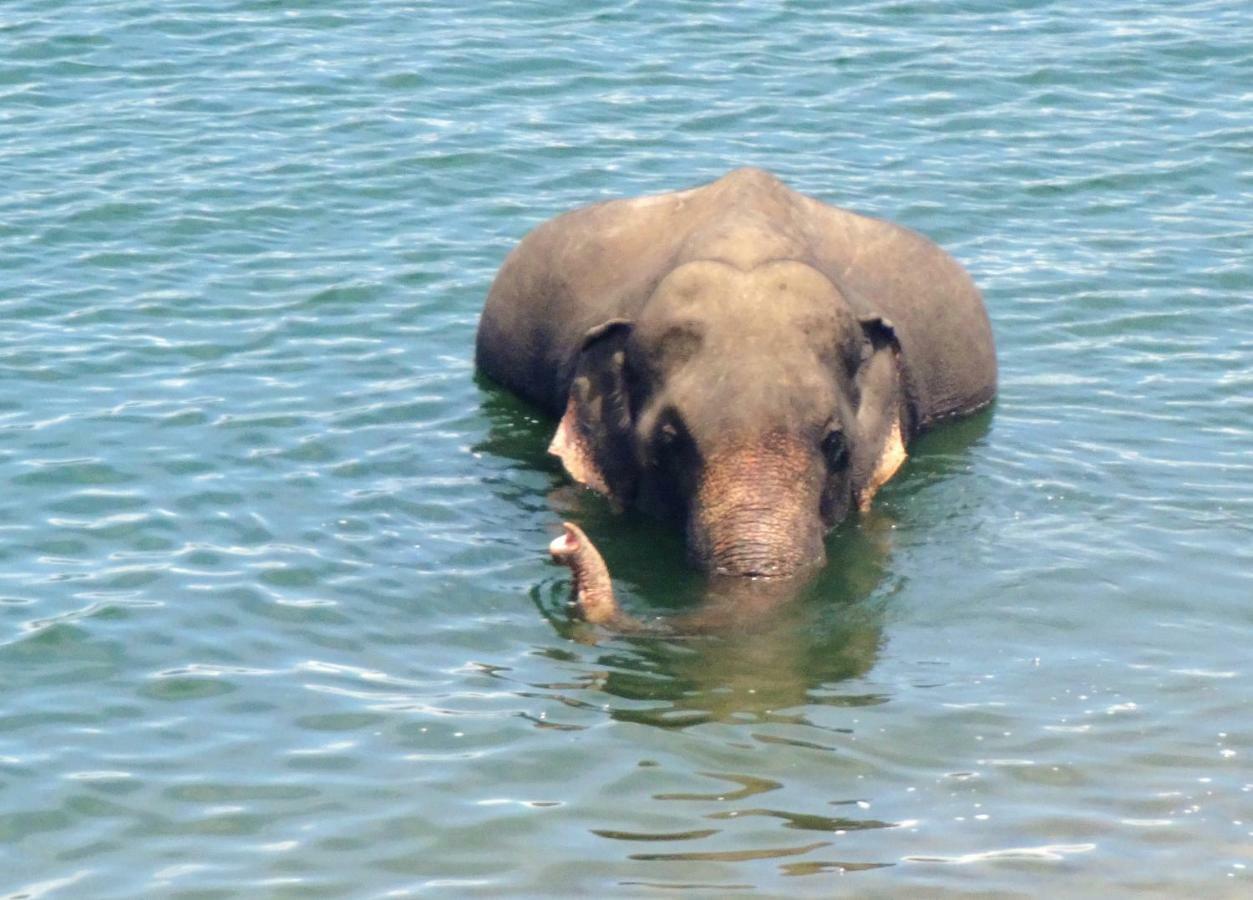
point(757, 405)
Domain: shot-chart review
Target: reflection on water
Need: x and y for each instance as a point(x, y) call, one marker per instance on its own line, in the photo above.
point(783, 659)
point(1048, 853)
point(730, 855)
point(818, 867)
point(806, 822)
point(779, 647)
point(744, 676)
point(694, 835)
point(749, 786)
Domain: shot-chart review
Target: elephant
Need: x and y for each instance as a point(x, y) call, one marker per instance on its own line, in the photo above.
point(740, 356)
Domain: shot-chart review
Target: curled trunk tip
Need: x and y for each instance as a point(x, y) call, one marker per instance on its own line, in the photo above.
point(593, 590)
point(566, 544)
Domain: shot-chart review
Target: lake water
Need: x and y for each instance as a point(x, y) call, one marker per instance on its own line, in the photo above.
point(276, 617)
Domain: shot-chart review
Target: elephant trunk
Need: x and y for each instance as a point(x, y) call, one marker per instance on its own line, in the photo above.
point(733, 603)
point(755, 511)
point(593, 590)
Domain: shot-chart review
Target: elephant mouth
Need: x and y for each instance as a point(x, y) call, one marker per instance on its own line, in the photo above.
point(772, 569)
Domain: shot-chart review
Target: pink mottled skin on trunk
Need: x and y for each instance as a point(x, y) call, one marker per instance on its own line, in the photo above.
point(593, 589)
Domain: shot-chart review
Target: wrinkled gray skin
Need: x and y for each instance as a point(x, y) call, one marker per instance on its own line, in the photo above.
point(741, 355)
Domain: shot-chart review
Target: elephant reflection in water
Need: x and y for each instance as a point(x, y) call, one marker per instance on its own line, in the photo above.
point(784, 644)
point(751, 648)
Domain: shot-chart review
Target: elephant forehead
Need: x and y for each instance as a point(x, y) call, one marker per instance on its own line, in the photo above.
point(780, 290)
point(721, 387)
point(773, 309)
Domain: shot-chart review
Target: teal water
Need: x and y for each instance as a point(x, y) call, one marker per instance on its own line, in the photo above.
point(275, 613)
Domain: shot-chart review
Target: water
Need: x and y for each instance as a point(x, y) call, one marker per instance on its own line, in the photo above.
point(275, 615)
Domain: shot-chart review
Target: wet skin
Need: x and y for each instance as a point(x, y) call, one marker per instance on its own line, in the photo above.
point(739, 357)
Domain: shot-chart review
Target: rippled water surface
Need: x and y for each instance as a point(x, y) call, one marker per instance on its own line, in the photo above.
point(275, 615)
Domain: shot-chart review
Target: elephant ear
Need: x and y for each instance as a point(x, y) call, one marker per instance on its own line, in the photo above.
point(593, 440)
point(882, 418)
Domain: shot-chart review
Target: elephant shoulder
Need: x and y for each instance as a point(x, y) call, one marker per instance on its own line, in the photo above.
point(937, 311)
point(567, 275)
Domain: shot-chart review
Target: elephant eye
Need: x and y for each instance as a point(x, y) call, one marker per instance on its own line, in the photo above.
point(666, 430)
point(668, 441)
point(835, 449)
